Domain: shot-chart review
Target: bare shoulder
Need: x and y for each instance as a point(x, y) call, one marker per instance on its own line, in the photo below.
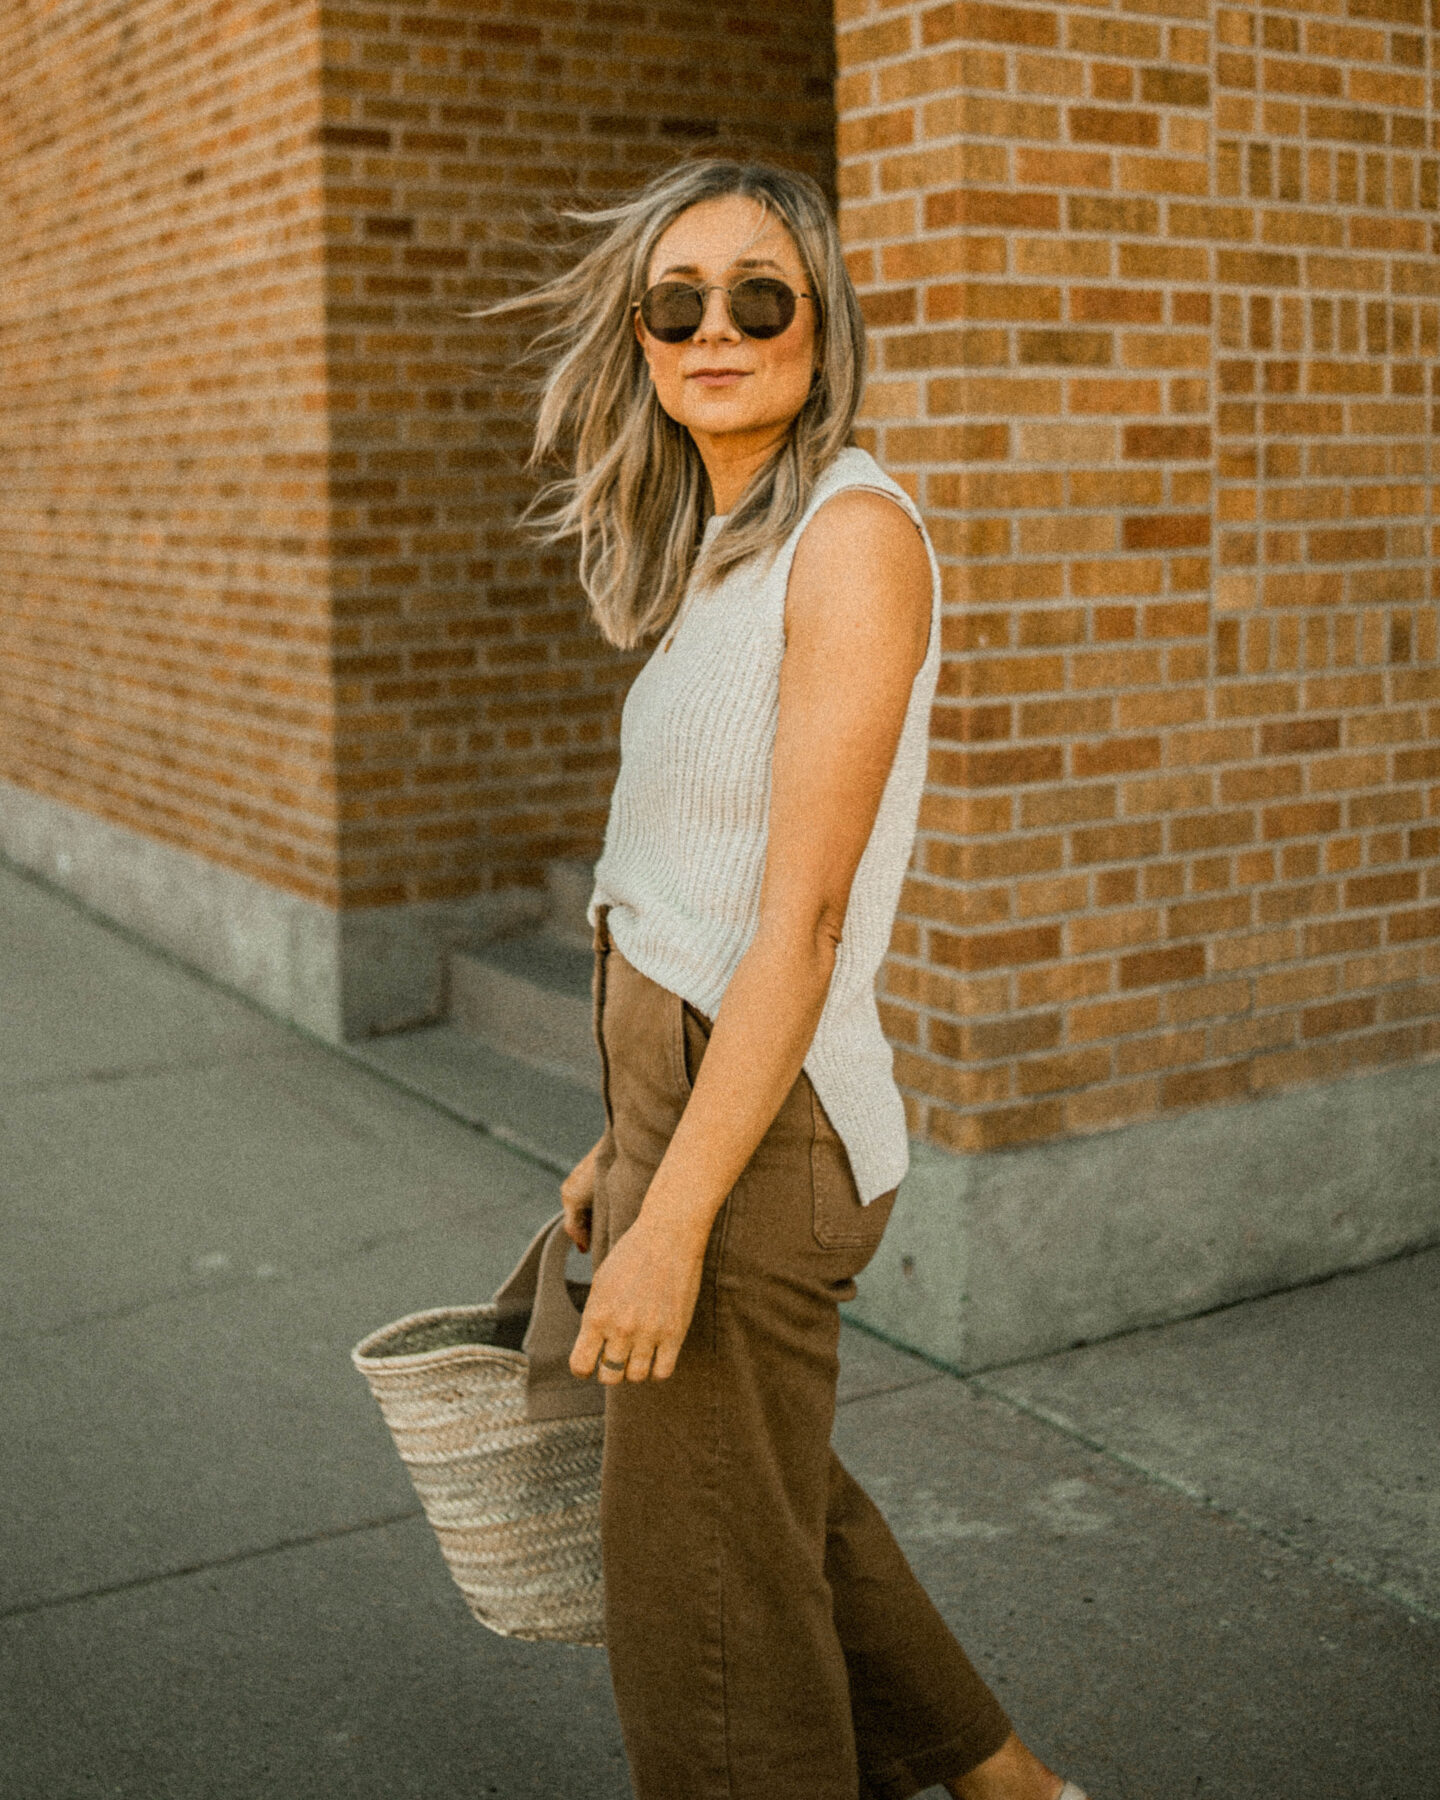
point(865, 522)
point(861, 561)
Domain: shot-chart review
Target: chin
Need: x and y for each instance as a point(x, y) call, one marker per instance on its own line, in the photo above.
point(720, 418)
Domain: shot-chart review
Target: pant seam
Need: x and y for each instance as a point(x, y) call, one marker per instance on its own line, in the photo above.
point(602, 957)
point(719, 1498)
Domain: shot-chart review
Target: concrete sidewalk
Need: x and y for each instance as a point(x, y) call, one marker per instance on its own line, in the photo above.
point(1199, 1560)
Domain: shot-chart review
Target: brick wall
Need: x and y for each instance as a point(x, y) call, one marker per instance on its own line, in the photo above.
point(1155, 292)
point(164, 613)
point(1155, 295)
point(478, 709)
point(260, 595)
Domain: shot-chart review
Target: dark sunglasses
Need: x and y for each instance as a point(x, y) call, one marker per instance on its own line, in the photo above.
point(760, 307)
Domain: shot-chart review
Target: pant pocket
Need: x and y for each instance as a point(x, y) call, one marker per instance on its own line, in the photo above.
point(841, 1220)
point(690, 1033)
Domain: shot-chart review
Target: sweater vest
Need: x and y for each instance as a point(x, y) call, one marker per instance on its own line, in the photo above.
point(685, 839)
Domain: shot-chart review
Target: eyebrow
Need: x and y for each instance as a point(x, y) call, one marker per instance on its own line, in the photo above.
point(742, 262)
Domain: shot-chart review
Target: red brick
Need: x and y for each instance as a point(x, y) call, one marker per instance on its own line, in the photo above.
point(1112, 125)
point(1206, 1087)
point(998, 1128)
point(996, 949)
point(1000, 768)
point(992, 1039)
point(1391, 889)
point(1310, 818)
point(1411, 927)
point(1159, 968)
point(973, 206)
point(1337, 1017)
point(1165, 531)
point(1292, 735)
point(1071, 1069)
point(1033, 26)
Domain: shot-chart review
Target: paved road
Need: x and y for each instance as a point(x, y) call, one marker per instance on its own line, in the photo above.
point(1199, 1560)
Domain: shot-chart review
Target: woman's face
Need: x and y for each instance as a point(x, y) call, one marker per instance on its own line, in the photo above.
point(720, 384)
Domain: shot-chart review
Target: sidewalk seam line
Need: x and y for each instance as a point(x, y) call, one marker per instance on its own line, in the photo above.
point(222, 1284)
point(28, 1608)
point(85, 1078)
point(1317, 1559)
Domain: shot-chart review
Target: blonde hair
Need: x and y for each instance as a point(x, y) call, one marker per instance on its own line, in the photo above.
point(635, 493)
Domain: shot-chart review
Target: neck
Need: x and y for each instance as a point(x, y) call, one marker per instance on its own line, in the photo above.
point(733, 461)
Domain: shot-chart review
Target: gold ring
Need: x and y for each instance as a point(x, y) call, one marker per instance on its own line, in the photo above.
point(605, 1363)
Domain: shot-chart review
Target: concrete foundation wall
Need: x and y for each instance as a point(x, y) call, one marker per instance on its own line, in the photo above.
point(996, 1258)
point(339, 974)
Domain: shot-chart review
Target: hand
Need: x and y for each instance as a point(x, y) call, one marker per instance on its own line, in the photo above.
point(641, 1302)
point(577, 1196)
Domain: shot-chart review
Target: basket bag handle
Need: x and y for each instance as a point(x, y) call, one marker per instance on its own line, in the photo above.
point(537, 1286)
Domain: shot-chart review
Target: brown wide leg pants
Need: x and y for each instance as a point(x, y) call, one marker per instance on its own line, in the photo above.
point(767, 1638)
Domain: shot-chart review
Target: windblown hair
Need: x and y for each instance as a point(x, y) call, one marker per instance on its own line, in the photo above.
point(635, 492)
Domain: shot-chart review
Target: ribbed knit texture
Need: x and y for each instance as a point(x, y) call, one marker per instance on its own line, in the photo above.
point(685, 840)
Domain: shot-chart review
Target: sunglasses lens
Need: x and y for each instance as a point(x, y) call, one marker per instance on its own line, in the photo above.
point(672, 311)
point(762, 308)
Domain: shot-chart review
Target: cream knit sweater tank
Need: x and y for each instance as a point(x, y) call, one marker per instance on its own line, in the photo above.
point(685, 840)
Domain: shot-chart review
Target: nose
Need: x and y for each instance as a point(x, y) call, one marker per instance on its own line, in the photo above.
point(715, 321)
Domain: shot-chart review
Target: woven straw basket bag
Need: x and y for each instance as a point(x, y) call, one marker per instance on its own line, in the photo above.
point(503, 1444)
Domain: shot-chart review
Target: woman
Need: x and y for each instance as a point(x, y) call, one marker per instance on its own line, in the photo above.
point(767, 1639)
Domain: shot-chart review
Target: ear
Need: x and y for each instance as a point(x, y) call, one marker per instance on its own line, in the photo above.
point(645, 341)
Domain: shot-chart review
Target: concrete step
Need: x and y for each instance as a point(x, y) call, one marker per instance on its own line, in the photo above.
point(550, 1119)
point(569, 883)
point(528, 998)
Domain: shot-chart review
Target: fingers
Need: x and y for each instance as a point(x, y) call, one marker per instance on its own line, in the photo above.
point(634, 1364)
point(614, 1362)
point(577, 1196)
point(586, 1349)
point(637, 1312)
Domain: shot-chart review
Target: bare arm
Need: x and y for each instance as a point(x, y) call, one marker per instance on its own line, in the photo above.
point(857, 622)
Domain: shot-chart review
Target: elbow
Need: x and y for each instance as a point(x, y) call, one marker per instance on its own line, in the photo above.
point(829, 929)
point(808, 939)
point(822, 940)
